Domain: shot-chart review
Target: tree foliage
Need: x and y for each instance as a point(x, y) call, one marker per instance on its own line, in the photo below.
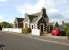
point(66, 29)
point(56, 24)
point(6, 25)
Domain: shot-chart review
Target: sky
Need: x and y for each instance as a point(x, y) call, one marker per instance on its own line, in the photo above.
point(57, 10)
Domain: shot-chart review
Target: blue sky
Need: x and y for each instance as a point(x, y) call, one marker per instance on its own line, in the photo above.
point(57, 10)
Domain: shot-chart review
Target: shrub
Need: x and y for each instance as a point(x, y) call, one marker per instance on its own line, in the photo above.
point(26, 30)
point(29, 30)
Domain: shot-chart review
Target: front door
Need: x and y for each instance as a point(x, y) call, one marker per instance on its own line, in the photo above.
point(41, 28)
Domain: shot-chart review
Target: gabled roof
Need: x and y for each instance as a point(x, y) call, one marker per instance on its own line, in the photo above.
point(34, 17)
point(31, 17)
point(19, 19)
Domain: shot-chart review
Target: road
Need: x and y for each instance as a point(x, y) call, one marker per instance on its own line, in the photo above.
point(15, 42)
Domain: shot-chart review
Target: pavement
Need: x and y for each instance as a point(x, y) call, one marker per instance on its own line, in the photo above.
point(48, 38)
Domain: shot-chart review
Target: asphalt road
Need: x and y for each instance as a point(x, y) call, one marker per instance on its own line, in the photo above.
point(15, 42)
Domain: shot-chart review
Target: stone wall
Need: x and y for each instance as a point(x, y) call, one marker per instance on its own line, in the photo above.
point(18, 30)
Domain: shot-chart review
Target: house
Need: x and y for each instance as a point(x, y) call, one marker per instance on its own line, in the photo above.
point(18, 23)
point(37, 21)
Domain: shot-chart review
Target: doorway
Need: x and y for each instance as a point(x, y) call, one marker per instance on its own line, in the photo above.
point(41, 28)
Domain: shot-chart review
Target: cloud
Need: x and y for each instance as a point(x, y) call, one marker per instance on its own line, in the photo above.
point(25, 8)
point(51, 11)
point(11, 20)
point(55, 20)
point(59, 6)
point(29, 8)
point(66, 15)
point(52, 7)
point(39, 5)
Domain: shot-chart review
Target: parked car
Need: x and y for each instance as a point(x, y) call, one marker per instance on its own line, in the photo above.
point(56, 32)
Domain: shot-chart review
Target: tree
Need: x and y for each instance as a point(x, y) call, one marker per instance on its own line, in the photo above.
point(56, 24)
point(6, 25)
point(66, 29)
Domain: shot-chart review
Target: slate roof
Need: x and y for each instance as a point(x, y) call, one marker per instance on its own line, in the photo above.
point(19, 19)
point(34, 17)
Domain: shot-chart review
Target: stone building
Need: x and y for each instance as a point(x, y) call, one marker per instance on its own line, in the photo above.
point(37, 21)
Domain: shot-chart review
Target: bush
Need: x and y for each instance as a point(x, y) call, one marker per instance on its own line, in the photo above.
point(26, 30)
point(29, 30)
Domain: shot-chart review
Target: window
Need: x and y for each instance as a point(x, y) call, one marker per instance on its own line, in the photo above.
point(32, 26)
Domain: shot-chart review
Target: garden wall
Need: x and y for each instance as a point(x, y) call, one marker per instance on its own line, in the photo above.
point(35, 32)
point(18, 30)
